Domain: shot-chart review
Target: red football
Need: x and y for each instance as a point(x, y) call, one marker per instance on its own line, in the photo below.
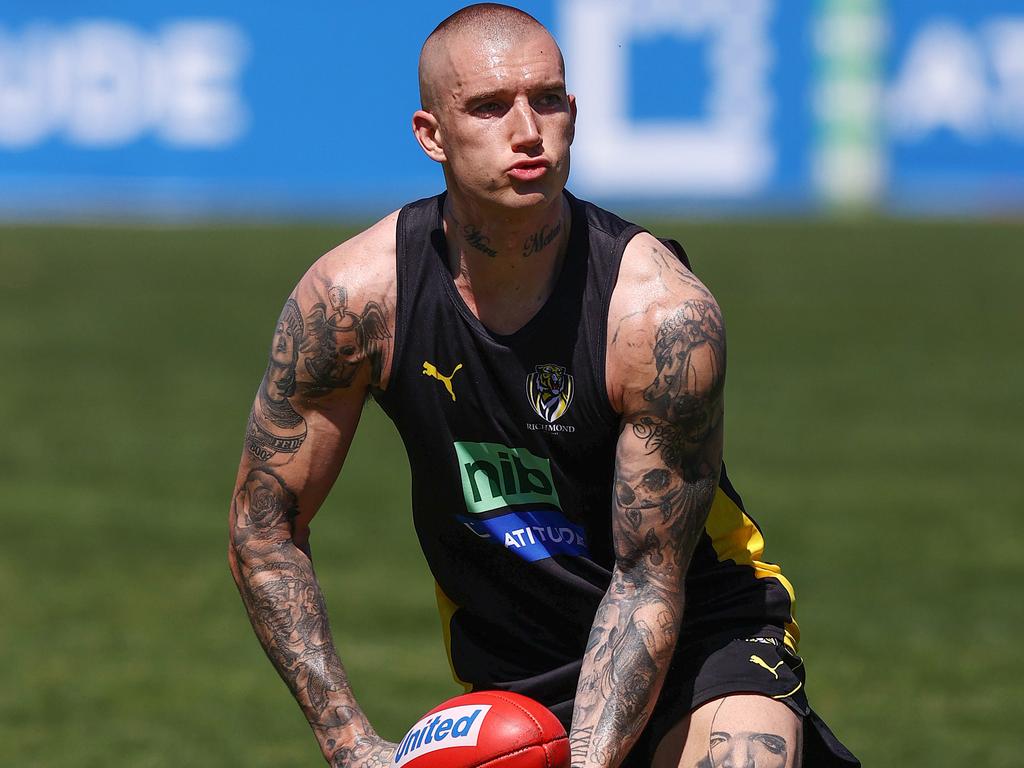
point(486, 729)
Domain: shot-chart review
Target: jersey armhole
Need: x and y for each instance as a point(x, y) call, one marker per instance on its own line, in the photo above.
point(401, 308)
point(601, 359)
point(676, 247)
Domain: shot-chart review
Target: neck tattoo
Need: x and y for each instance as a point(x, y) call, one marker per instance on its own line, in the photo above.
point(541, 239)
point(478, 240)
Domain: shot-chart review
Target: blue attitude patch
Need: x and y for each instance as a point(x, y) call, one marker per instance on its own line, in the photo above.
point(532, 535)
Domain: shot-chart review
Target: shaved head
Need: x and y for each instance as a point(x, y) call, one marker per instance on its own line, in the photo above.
point(492, 23)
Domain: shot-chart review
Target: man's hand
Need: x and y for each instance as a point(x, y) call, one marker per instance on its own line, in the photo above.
point(366, 752)
point(666, 366)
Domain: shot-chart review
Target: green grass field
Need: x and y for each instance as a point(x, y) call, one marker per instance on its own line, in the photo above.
point(875, 429)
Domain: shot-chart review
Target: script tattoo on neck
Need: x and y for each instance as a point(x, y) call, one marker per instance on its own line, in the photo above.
point(478, 240)
point(474, 237)
point(541, 239)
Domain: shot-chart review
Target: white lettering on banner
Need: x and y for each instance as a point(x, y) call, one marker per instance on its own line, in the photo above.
point(105, 84)
point(729, 152)
point(970, 84)
point(1005, 39)
point(940, 85)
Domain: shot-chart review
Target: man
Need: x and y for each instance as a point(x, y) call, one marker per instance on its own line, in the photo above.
point(557, 377)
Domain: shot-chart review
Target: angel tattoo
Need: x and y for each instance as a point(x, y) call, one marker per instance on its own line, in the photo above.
point(338, 340)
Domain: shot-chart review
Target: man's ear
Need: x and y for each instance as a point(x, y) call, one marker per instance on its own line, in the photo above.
point(572, 116)
point(428, 133)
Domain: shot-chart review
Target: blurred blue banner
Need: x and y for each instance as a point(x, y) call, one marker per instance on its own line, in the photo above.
point(954, 103)
point(223, 107)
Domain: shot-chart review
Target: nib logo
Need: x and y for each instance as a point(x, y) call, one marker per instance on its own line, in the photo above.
point(495, 476)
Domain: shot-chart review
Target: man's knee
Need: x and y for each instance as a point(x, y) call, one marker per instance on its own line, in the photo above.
point(736, 731)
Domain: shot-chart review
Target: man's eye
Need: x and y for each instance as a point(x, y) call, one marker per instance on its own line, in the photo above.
point(487, 108)
point(775, 744)
point(549, 101)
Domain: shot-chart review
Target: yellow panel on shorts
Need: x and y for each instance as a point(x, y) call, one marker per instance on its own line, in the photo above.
point(736, 537)
point(447, 609)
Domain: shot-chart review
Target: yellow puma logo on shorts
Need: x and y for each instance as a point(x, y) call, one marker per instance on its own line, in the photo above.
point(429, 369)
point(762, 663)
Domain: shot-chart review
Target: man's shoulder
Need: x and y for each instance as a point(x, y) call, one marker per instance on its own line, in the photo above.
point(365, 263)
point(654, 292)
point(347, 299)
point(370, 247)
point(658, 272)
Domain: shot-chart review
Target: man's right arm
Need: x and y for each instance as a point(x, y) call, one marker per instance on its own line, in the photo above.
point(332, 344)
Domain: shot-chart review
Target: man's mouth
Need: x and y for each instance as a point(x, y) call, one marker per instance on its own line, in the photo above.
point(528, 170)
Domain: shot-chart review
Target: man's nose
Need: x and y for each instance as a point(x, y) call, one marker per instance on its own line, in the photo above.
point(739, 755)
point(525, 132)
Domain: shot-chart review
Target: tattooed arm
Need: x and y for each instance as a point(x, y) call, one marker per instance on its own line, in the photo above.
point(331, 344)
point(666, 373)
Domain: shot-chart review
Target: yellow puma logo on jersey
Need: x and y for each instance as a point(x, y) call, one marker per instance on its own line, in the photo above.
point(429, 369)
point(762, 663)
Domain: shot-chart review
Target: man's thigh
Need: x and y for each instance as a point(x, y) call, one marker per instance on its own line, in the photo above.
point(735, 731)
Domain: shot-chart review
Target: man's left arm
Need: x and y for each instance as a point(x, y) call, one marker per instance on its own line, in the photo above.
point(669, 376)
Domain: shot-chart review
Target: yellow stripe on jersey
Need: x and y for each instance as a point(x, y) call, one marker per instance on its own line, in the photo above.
point(447, 609)
point(736, 537)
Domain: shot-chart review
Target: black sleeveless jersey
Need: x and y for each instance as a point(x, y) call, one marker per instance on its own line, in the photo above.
point(511, 441)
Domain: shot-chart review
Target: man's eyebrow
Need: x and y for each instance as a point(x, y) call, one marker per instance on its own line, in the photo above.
point(496, 93)
point(485, 95)
point(548, 85)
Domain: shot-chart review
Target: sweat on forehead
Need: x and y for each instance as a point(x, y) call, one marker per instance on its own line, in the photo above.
point(491, 22)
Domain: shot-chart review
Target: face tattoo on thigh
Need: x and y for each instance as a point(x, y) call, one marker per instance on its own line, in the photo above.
point(732, 747)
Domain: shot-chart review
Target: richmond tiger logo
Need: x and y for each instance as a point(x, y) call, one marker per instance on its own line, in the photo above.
point(549, 389)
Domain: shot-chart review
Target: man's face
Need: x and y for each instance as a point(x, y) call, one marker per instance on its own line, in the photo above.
point(284, 350)
point(747, 749)
point(506, 122)
point(737, 742)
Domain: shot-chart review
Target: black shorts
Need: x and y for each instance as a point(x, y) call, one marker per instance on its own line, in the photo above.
point(752, 661)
